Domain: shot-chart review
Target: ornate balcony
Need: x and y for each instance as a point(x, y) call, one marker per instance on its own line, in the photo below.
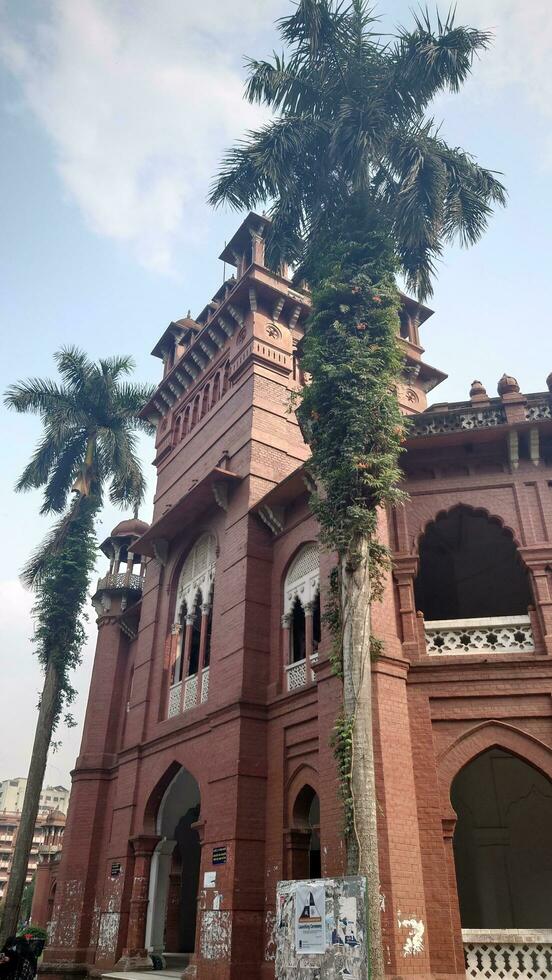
point(123, 580)
point(296, 673)
point(190, 693)
point(497, 634)
point(507, 954)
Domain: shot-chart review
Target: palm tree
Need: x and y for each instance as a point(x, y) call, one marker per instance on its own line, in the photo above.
point(360, 186)
point(88, 445)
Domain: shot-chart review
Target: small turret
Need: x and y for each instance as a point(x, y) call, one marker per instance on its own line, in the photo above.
point(122, 584)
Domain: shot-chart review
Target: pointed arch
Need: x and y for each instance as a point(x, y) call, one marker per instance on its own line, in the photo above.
point(480, 738)
point(197, 574)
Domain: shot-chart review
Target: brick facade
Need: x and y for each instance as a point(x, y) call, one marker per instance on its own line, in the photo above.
point(252, 745)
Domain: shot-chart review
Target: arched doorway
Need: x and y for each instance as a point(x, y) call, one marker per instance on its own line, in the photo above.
point(305, 858)
point(469, 569)
point(174, 879)
point(503, 843)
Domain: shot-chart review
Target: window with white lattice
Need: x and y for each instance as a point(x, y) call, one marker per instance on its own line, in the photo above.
point(191, 632)
point(301, 619)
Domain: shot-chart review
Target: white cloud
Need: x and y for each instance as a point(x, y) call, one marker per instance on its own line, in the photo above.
point(521, 52)
point(138, 100)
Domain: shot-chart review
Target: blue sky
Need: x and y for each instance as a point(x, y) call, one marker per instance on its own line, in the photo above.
point(114, 115)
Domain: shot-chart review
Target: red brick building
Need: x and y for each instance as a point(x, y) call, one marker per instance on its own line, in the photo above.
point(206, 772)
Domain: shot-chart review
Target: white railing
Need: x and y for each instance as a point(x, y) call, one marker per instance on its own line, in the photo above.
point(507, 954)
point(204, 684)
point(175, 694)
point(498, 634)
point(297, 673)
point(190, 693)
point(121, 581)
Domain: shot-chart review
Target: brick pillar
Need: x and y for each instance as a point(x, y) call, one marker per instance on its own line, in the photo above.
point(405, 569)
point(297, 847)
point(539, 561)
point(404, 917)
point(135, 954)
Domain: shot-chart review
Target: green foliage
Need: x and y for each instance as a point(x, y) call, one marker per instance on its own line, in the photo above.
point(61, 596)
point(342, 744)
point(89, 420)
point(350, 116)
point(349, 410)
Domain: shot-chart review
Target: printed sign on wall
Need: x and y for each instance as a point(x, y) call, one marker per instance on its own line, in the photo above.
point(310, 918)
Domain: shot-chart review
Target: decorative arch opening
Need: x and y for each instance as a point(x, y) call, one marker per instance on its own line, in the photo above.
point(472, 585)
point(226, 378)
point(190, 654)
point(305, 835)
point(216, 389)
point(186, 422)
point(174, 875)
point(503, 843)
point(205, 400)
point(469, 568)
point(301, 618)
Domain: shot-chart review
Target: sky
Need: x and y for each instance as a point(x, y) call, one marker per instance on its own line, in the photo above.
point(114, 115)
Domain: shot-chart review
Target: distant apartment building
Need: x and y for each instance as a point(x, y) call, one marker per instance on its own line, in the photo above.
point(49, 826)
point(12, 792)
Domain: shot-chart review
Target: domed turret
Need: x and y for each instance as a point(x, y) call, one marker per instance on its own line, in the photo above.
point(121, 583)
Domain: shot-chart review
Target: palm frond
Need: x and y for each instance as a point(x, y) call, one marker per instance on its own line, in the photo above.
point(33, 570)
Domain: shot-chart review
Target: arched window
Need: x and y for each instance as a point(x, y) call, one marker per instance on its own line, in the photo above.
point(205, 401)
point(470, 568)
point(195, 412)
point(503, 843)
point(177, 430)
point(193, 614)
point(302, 612)
point(198, 574)
point(186, 423)
point(305, 859)
point(216, 389)
point(226, 378)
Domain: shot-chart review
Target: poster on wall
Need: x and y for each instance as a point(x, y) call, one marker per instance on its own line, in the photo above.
point(344, 930)
point(310, 918)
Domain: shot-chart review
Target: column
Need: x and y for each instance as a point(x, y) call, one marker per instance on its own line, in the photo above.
point(158, 896)
point(135, 950)
point(308, 608)
point(186, 655)
point(405, 569)
point(286, 647)
point(539, 561)
point(205, 610)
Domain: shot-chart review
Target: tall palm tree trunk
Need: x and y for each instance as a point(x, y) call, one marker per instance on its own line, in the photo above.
point(362, 846)
point(49, 703)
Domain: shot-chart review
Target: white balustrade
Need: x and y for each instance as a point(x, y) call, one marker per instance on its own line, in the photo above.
point(507, 954)
point(497, 634)
point(174, 699)
point(297, 673)
point(190, 692)
point(123, 580)
point(204, 684)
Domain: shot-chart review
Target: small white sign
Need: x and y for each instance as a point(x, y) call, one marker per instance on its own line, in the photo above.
point(209, 879)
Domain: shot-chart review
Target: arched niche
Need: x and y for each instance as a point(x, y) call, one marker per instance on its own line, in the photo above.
point(503, 843)
point(469, 568)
